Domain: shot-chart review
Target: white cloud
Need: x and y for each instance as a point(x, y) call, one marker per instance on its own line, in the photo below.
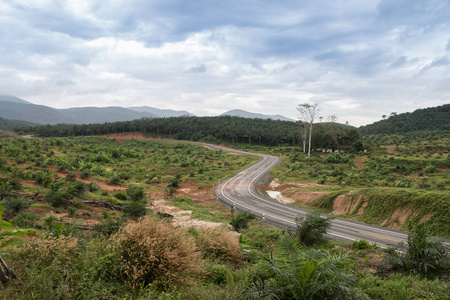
point(359, 60)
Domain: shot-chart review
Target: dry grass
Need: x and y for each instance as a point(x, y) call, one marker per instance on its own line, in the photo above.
point(219, 243)
point(150, 251)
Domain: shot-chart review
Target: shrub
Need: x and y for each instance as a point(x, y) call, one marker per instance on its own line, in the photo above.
point(290, 272)
point(361, 245)
point(337, 158)
point(310, 229)
point(121, 195)
point(25, 219)
point(220, 274)
point(421, 255)
point(76, 188)
point(58, 197)
point(430, 169)
point(134, 209)
point(93, 187)
point(241, 220)
point(16, 204)
point(151, 251)
point(57, 229)
point(135, 193)
point(218, 243)
point(108, 226)
point(5, 189)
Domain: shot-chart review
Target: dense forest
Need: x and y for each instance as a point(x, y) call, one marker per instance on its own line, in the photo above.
point(226, 129)
point(433, 118)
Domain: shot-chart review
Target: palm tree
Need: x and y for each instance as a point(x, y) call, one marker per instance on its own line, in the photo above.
point(293, 273)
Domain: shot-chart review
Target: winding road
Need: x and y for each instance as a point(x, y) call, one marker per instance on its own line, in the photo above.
point(240, 192)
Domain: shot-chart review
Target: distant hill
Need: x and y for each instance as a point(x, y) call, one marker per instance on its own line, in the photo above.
point(246, 114)
point(9, 125)
point(13, 99)
point(161, 113)
point(432, 118)
point(32, 113)
point(89, 115)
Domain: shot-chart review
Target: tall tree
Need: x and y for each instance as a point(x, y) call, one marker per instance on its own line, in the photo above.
point(309, 114)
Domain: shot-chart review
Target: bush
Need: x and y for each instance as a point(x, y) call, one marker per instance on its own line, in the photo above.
point(241, 220)
point(220, 274)
point(361, 245)
point(108, 226)
point(57, 229)
point(25, 219)
point(5, 189)
point(15, 205)
point(151, 251)
point(135, 193)
point(421, 255)
point(93, 187)
point(403, 287)
point(121, 195)
point(134, 209)
point(218, 243)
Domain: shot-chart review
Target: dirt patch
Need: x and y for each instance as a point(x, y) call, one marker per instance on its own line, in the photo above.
point(425, 218)
point(359, 162)
point(291, 191)
point(200, 194)
point(181, 217)
point(398, 217)
point(341, 205)
point(390, 149)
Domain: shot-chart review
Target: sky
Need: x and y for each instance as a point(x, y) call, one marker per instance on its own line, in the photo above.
point(358, 59)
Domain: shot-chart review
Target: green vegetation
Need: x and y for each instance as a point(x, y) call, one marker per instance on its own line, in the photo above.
point(224, 129)
point(421, 256)
point(88, 200)
point(432, 118)
point(291, 272)
point(9, 125)
point(310, 229)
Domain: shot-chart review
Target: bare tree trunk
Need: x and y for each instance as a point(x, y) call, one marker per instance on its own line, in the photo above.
point(6, 273)
point(310, 134)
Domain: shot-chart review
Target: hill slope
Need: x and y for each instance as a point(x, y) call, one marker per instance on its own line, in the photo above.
point(432, 118)
point(9, 125)
point(246, 114)
point(161, 113)
point(32, 113)
point(89, 115)
point(13, 99)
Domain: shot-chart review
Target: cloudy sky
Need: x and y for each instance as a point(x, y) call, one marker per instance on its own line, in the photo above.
point(359, 59)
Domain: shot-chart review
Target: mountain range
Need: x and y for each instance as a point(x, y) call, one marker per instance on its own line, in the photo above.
point(14, 108)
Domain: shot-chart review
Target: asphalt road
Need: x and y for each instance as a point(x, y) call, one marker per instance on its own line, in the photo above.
point(241, 193)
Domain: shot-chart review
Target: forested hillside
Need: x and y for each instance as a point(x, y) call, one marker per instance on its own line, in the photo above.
point(433, 118)
point(215, 129)
point(9, 125)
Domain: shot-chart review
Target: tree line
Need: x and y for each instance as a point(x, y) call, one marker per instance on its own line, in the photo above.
point(227, 129)
point(427, 119)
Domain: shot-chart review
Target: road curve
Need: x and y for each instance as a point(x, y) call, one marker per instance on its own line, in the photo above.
point(241, 193)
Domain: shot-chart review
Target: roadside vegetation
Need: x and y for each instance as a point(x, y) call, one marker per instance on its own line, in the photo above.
point(400, 181)
point(87, 209)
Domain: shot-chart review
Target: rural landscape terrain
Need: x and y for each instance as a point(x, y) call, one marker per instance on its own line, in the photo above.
point(130, 209)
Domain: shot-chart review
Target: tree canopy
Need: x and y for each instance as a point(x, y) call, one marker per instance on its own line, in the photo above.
point(432, 118)
point(226, 129)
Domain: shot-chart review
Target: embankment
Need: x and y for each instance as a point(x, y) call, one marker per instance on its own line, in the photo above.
point(391, 207)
